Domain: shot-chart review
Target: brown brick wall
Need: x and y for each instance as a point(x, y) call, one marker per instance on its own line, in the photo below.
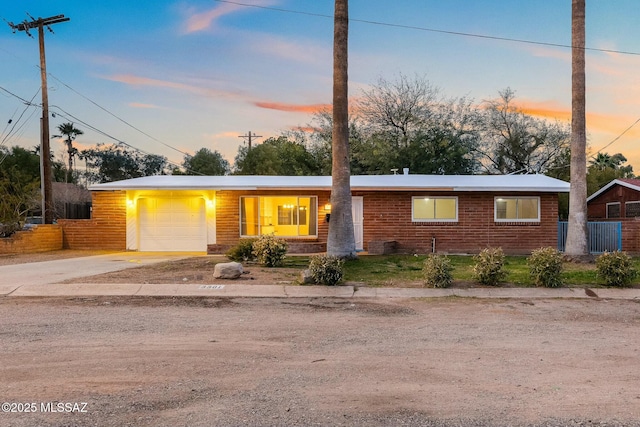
point(387, 217)
point(107, 228)
point(41, 238)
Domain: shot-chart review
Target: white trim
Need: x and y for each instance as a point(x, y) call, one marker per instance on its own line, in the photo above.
point(619, 210)
point(495, 210)
point(357, 210)
point(414, 219)
point(387, 183)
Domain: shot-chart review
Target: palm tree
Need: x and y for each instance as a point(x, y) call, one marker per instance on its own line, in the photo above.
point(341, 240)
point(70, 133)
point(603, 161)
point(576, 245)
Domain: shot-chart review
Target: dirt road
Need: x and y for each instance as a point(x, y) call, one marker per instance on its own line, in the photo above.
point(217, 362)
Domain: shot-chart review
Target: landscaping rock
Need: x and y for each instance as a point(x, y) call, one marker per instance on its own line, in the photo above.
point(227, 270)
point(306, 278)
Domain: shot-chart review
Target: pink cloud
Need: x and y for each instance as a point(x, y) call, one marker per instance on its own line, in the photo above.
point(201, 21)
point(133, 80)
point(294, 108)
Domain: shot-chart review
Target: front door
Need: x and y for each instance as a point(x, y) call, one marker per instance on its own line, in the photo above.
point(358, 220)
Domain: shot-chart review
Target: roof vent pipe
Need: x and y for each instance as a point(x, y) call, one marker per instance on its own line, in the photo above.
point(405, 171)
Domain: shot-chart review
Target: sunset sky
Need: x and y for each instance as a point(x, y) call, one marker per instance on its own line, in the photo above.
point(170, 77)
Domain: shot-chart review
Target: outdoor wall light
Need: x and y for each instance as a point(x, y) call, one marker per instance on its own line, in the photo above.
point(327, 216)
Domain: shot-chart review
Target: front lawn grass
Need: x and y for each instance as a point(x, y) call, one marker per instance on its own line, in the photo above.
point(393, 270)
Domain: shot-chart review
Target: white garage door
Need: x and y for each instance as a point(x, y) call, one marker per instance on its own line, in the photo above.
point(172, 224)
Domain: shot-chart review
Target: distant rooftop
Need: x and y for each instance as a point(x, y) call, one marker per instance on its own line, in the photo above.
point(400, 182)
point(632, 183)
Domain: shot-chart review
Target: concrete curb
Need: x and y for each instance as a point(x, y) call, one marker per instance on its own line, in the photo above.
point(285, 291)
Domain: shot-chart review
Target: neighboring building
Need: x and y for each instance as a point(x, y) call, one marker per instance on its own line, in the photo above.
point(405, 213)
point(617, 200)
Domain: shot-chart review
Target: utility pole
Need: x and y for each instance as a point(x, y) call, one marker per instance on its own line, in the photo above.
point(46, 171)
point(250, 137)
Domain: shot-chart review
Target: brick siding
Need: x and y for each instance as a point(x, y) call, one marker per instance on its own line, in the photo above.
point(41, 238)
point(107, 227)
point(387, 217)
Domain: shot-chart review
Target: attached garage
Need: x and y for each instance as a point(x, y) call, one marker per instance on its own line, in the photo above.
point(172, 224)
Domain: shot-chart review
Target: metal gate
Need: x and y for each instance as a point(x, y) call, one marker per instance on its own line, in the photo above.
point(602, 236)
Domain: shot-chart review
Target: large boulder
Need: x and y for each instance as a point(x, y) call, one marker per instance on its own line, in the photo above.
point(227, 270)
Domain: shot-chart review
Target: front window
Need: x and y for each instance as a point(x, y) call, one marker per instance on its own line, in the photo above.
point(613, 210)
point(285, 216)
point(435, 209)
point(632, 209)
point(517, 209)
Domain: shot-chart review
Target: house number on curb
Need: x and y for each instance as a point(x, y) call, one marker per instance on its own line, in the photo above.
point(211, 287)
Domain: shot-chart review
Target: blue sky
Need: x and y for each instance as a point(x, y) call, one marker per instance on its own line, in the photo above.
point(198, 73)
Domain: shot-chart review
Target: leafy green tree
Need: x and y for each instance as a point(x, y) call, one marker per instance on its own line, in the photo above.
point(365, 153)
point(560, 169)
point(604, 161)
point(276, 156)
point(115, 163)
point(70, 133)
point(205, 162)
point(19, 187)
point(437, 151)
point(18, 199)
point(27, 162)
point(604, 168)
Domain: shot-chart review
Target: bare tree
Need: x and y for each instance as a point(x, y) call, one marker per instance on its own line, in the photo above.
point(341, 240)
point(400, 107)
point(577, 246)
point(514, 142)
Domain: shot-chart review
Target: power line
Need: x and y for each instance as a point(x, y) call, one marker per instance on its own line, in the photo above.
point(13, 131)
point(619, 136)
point(431, 30)
point(118, 118)
point(71, 117)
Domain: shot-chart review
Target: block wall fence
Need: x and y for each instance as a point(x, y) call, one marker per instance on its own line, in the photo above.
point(42, 238)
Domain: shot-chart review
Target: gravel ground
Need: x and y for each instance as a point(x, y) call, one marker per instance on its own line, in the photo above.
point(300, 362)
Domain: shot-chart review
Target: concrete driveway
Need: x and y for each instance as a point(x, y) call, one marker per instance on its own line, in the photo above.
point(47, 272)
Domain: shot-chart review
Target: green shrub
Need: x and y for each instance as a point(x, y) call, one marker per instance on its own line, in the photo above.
point(269, 250)
point(437, 271)
point(615, 268)
point(545, 267)
point(326, 269)
point(243, 251)
point(488, 267)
